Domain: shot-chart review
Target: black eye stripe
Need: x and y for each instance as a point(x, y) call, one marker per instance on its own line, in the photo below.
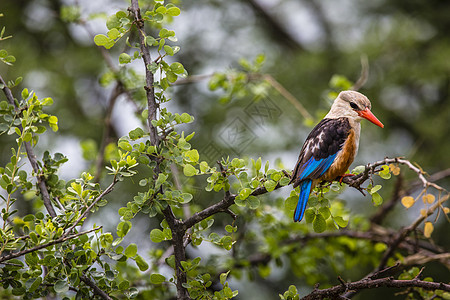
point(353, 105)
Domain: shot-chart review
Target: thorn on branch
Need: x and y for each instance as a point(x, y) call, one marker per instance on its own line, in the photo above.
point(420, 273)
point(316, 287)
point(232, 214)
point(344, 284)
point(384, 271)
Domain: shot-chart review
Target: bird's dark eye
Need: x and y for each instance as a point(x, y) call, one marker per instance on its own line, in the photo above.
point(353, 105)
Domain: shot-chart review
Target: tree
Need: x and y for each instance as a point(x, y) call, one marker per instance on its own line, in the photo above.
point(55, 248)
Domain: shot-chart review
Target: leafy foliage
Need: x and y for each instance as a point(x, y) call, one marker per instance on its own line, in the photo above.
point(46, 252)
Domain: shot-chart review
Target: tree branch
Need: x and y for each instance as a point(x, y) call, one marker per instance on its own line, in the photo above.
point(149, 88)
point(276, 29)
point(179, 250)
point(86, 212)
point(61, 239)
point(98, 291)
point(406, 231)
point(117, 91)
point(368, 283)
point(31, 157)
point(357, 180)
point(401, 236)
point(384, 209)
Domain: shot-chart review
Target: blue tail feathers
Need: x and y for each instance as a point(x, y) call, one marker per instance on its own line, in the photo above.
point(305, 190)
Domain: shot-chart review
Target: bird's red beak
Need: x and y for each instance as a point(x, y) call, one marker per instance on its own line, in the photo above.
point(367, 114)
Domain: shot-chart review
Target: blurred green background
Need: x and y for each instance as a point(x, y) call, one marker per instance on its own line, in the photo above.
point(305, 43)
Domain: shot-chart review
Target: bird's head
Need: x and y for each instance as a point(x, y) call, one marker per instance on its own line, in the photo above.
point(353, 105)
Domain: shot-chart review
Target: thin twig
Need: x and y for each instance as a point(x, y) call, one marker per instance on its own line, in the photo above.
point(98, 291)
point(357, 180)
point(31, 157)
point(286, 94)
point(61, 239)
point(363, 284)
point(364, 74)
point(384, 209)
point(149, 88)
point(401, 236)
point(405, 232)
point(117, 91)
point(86, 212)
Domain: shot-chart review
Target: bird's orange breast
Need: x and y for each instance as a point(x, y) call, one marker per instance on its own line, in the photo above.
point(343, 160)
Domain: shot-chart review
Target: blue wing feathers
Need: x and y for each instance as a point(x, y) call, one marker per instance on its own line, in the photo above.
point(313, 166)
point(305, 190)
point(315, 169)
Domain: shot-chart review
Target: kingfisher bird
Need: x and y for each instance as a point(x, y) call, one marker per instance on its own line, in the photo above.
point(331, 146)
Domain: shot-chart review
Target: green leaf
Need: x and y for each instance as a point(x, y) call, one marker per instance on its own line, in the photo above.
point(136, 133)
point(101, 39)
point(385, 173)
point(124, 58)
point(204, 166)
point(151, 41)
point(113, 33)
point(319, 224)
point(61, 286)
point(124, 285)
point(186, 118)
point(157, 236)
point(165, 33)
point(27, 137)
point(161, 179)
point(33, 283)
point(186, 198)
point(31, 259)
point(109, 275)
point(340, 221)
point(309, 215)
point(177, 68)
point(25, 93)
point(34, 237)
point(132, 293)
point(375, 189)
point(192, 155)
point(18, 291)
point(157, 278)
point(168, 50)
point(17, 262)
point(229, 228)
point(53, 122)
point(113, 22)
point(376, 199)
point(161, 10)
point(291, 203)
point(358, 169)
point(253, 202)
point(244, 193)
point(173, 11)
point(270, 185)
point(325, 212)
point(284, 181)
point(171, 76)
point(131, 250)
point(189, 170)
point(223, 277)
point(125, 145)
point(141, 263)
